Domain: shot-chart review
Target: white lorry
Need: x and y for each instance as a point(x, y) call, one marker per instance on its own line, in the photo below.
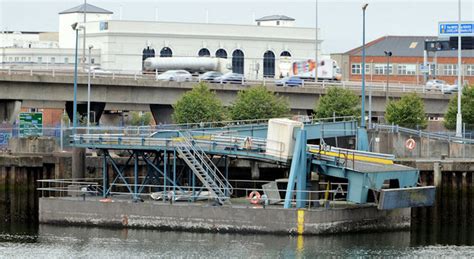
point(327, 69)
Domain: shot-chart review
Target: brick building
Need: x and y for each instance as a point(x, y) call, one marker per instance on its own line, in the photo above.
point(407, 56)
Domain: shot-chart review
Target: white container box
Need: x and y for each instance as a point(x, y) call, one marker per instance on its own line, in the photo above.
point(280, 137)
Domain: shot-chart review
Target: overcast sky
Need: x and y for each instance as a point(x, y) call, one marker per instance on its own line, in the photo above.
point(340, 21)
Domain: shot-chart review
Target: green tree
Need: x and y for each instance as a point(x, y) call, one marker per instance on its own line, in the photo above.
point(198, 105)
point(140, 119)
point(258, 103)
point(338, 101)
point(467, 108)
point(408, 112)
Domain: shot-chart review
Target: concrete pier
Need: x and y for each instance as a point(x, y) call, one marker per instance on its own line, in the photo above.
point(204, 217)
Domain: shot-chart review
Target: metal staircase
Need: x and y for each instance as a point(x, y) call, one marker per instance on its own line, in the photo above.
point(202, 166)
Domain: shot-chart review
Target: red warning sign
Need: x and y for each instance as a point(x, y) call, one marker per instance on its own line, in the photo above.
point(410, 144)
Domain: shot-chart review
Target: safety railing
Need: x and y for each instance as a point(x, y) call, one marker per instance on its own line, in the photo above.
point(139, 75)
point(420, 133)
point(245, 192)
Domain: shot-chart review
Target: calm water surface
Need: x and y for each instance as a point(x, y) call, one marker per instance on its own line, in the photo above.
point(444, 231)
point(45, 241)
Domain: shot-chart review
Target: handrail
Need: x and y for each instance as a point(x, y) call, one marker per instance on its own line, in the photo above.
point(420, 133)
point(211, 167)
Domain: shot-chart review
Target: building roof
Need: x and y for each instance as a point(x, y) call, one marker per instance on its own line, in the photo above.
point(403, 46)
point(275, 18)
point(88, 9)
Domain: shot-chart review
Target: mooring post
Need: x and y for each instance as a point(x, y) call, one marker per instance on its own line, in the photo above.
point(437, 174)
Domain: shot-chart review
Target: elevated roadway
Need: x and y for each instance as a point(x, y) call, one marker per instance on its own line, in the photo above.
point(123, 93)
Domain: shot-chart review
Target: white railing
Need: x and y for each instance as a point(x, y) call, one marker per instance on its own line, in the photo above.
point(394, 87)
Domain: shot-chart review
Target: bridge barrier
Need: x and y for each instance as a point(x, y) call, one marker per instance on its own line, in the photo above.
point(138, 75)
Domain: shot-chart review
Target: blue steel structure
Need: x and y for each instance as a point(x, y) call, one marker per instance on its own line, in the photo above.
point(162, 150)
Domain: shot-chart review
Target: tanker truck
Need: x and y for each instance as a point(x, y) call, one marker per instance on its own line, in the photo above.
point(190, 64)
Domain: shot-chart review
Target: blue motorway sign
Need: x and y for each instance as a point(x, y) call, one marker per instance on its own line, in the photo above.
point(451, 29)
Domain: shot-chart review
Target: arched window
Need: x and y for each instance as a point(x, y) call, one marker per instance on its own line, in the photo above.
point(204, 53)
point(285, 54)
point(166, 52)
point(238, 61)
point(269, 64)
point(221, 53)
point(147, 53)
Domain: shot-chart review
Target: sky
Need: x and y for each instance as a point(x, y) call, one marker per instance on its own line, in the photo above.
point(340, 21)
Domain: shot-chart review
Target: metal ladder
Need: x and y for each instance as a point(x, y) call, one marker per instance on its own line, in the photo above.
point(202, 166)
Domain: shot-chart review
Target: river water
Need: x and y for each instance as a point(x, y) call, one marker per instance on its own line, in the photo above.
point(444, 231)
point(47, 241)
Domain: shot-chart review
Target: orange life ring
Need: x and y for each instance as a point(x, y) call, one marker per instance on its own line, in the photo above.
point(254, 197)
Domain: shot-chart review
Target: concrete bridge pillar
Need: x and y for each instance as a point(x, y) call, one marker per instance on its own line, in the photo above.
point(9, 110)
point(97, 109)
point(254, 170)
point(161, 113)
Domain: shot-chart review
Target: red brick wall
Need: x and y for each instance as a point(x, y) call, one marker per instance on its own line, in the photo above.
point(406, 60)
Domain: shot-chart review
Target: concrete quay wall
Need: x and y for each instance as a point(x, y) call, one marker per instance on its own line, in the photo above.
point(194, 217)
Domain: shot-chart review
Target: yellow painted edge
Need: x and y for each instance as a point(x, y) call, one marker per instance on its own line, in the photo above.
point(179, 139)
point(300, 222)
point(355, 157)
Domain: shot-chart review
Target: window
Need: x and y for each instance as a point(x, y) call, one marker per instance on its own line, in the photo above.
point(406, 69)
point(92, 61)
point(221, 53)
point(381, 69)
point(269, 64)
point(204, 52)
point(29, 59)
point(23, 59)
point(238, 61)
point(17, 59)
point(285, 54)
point(10, 59)
point(40, 60)
point(66, 60)
point(53, 60)
point(470, 70)
point(356, 69)
point(278, 22)
point(166, 52)
point(258, 23)
point(450, 70)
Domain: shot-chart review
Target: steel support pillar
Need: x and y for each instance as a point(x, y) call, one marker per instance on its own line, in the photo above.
point(298, 173)
point(105, 175)
point(135, 176)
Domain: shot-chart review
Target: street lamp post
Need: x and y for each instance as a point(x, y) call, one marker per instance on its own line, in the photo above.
point(362, 123)
point(388, 54)
point(76, 27)
point(89, 89)
point(459, 114)
point(362, 139)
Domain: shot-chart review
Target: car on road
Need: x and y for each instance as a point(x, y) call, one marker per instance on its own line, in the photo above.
point(449, 89)
point(290, 81)
point(229, 78)
point(210, 75)
point(175, 75)
point(435, 84)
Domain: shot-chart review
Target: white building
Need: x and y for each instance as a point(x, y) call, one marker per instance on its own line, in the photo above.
point(266, 48)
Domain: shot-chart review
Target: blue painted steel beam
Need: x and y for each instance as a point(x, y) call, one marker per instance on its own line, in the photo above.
point(298, 173)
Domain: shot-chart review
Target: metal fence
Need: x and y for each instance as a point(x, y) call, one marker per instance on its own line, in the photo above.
point(326, 193)
point(310, 83)
point(446, 136)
